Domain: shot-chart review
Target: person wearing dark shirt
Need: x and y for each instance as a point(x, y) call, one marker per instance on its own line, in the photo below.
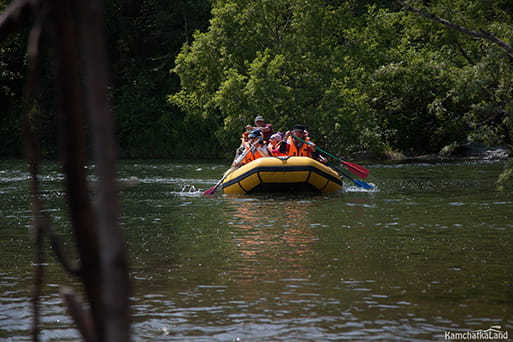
point(265, 128)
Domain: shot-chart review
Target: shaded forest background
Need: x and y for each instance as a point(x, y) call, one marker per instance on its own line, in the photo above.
point(188, 75)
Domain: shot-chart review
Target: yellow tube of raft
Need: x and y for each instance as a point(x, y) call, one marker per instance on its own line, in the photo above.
point(282, 174)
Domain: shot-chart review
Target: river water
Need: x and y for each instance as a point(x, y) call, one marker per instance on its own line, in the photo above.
point(428, 252)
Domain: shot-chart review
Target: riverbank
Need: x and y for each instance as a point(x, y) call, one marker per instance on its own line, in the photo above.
point(469, 151)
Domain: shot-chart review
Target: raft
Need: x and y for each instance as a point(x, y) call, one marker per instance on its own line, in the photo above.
point(282, 174)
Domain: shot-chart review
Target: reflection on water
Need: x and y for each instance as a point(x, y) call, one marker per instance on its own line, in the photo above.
point(259, 220)
point(428, 252)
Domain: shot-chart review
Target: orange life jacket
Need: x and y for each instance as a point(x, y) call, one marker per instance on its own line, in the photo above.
point(304, 150)
point(251, 155)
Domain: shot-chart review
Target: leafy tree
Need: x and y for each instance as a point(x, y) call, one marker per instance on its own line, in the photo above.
point(12, 70)
point(145, 37)
point(482, 87)
point(480, 94)
point(283, 59)
point(361, 75)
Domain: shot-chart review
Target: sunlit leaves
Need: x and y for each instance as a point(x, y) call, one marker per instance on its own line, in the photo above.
point(360, 75)
point(274, 58)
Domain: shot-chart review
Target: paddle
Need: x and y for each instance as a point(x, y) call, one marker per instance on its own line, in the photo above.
point(356, 182)
point(213, 189)
point(237, 160)
point(356, 169)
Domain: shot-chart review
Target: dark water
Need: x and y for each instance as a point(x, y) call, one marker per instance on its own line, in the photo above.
point(428, 251)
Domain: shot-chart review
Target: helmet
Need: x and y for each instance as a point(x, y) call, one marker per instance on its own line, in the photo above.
point(255, 133)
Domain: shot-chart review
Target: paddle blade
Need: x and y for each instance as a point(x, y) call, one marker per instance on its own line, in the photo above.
point(362, 184)
point(356, 169)
point(210, 191)
point(213, 189)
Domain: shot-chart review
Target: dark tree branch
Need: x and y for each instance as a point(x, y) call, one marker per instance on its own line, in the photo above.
point(74, 151)
point(76, 27)
point(16, 15)
point(464, 53)
point(113, 264)
point(482, 34)
point(40, 222)
point(81, 316)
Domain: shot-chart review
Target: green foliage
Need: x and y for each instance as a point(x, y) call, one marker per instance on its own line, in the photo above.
point(361, 75)
point(144, 38)
point(281, 59)
point(12, 69)
point(474, 101)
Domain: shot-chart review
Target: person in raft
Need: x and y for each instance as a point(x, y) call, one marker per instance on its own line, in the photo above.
point(277, 146)
point(254, 147)
point(296, 147)
point(265, 128)
point(241, 148)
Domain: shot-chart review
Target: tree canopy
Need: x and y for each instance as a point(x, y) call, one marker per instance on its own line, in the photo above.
point(361, 75)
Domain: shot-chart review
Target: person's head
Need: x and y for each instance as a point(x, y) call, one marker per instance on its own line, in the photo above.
point(259, 121)
point(245, 136)
point(299, 130)
point(254, 135)
point(275, 138)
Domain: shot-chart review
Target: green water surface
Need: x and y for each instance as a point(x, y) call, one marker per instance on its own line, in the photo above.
point(428, 251)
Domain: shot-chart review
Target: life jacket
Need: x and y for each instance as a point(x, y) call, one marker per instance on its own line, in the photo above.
point(252, 154)
point(303, 151)
point(275, 150)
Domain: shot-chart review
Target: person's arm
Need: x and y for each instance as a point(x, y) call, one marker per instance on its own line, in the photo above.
point(263, 129)
point(283, 147)
point(262, 148)
point(318, 156)
point(239, 160)
point(270, 149)
point(311, 144)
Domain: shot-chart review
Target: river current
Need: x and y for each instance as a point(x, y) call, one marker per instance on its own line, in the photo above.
point(428, 252)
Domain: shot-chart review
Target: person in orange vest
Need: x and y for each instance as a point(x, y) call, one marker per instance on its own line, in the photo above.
point(277, 146)
point(296, 147)
point(254, 148)
point(241, 148)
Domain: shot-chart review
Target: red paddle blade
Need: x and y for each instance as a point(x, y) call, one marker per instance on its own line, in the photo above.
point(210, 191)
point(213, 189)
point(356, 169)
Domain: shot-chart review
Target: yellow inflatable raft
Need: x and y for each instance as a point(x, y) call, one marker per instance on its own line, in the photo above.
point(282, 174)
